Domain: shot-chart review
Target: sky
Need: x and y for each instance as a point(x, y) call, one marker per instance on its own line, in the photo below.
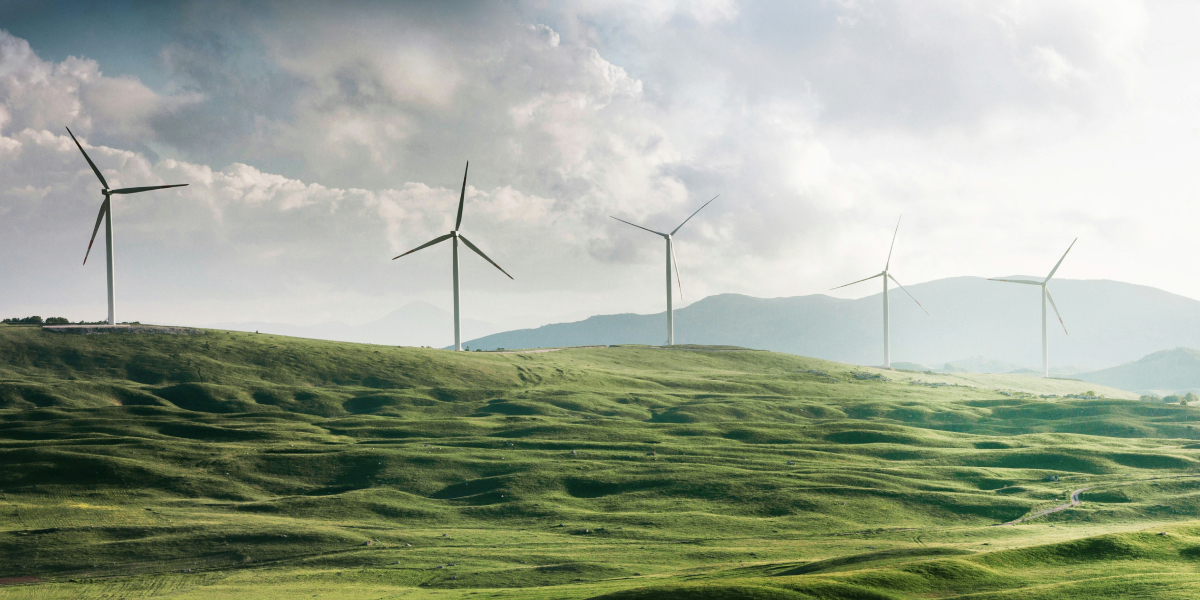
point(319, 140)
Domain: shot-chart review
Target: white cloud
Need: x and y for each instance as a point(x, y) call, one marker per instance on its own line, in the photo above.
point(40, 95)
point(996, 128)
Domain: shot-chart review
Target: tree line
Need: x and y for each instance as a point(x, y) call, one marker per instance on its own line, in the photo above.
point(36, 320)
point(1185, 399)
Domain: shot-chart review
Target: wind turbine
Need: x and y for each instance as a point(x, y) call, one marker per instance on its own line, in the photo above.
point(1045, 296)
point(455, 236)
point(106, 216)
point(886, 274)
point(671, 258)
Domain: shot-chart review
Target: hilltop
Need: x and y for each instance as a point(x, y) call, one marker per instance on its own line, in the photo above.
point(1110, 323)
point(227, 464)
point(414, 324)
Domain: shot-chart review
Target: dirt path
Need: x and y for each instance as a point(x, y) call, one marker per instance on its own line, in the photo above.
point(1075, 501)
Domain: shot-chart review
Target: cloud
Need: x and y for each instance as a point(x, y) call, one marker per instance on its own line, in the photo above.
point(40, 95)
point(240, 230)
point(320, 141)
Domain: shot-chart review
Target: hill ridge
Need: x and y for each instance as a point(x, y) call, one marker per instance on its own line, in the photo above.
point(1111, 323)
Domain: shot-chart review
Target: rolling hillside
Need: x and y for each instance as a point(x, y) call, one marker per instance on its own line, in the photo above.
point(226, 465)
point(1110, 323)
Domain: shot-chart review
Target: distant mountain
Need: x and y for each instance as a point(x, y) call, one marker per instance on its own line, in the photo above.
point(1162, 373)
point(1110, 323)
point(980, 364)
point(415, 324)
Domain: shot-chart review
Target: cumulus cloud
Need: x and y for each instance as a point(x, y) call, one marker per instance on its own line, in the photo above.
point(39, 95)
point(239, 230)
point(320, 141)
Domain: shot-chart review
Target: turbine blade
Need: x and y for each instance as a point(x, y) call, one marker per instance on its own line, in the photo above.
point(694, 214)
point(1064, 256)
point(859, 281)
point(914, 298)
point(480, 252)
point(96, 229)
point(893, 246)
point(428, 244)
point(461, 197)
point(135, 190)
point(89, 159)
point(639, 226)
point(1016, 281)
point(678, 281)
point(1052, 305)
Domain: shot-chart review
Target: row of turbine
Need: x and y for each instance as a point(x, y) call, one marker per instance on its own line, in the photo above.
point(887, 274)
point(454, 236)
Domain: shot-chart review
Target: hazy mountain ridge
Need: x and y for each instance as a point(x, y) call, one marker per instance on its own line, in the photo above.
point(1164, 372)
point(1110, 323)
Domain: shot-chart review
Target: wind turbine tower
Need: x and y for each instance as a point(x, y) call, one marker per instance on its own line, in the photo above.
point(455, 236)
point(887, 274)
point(106, 216)
point(1045, 296)
point(669, 237)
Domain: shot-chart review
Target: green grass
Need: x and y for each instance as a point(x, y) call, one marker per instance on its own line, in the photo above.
point(225, 464)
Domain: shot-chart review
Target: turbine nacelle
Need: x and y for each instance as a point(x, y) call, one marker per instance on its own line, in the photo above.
point(1046, 296)
point(1045, 284)
point(671, 260)
point(886, 275)
point(457, 237)
point(106, 212)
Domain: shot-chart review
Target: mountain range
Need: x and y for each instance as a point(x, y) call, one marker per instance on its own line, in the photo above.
point(1174, 371)
point(1110, 323)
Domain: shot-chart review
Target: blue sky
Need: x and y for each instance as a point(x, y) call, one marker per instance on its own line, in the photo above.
point(320, 141)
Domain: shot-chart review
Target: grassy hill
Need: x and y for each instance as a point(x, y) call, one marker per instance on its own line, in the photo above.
point(224, 464)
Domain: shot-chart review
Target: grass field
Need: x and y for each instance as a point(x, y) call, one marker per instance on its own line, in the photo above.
point(228, 465)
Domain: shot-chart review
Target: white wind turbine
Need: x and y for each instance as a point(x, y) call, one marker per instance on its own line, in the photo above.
point(106, 216)
point(886, 274)
point(455, 236)
point(1045, 296)
point(671, 258)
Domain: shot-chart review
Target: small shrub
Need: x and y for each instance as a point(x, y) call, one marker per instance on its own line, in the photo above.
point(1110, 496)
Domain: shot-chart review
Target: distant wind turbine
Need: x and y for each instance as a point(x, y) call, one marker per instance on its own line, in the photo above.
point(456, 236)
point(886, 274)
point(1045, 296)
point(106, 216)
point(670, 259)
